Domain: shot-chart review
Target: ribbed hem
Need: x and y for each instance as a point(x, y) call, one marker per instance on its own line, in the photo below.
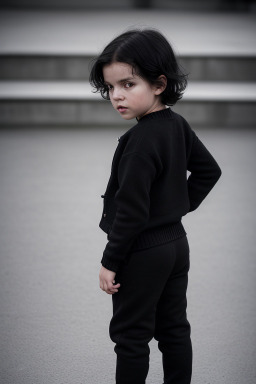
point(149, 238)
point(159, 235)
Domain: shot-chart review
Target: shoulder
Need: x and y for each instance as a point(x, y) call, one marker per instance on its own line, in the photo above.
point(181, 121)
point(154, 135)
point(148, 131)
point(184, 127)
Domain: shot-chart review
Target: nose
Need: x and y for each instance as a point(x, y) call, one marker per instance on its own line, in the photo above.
point(117, 94)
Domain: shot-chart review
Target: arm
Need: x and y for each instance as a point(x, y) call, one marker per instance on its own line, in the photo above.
point(205, 172)
point(136, 173)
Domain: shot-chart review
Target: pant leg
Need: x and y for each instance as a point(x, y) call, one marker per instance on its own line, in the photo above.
point(134, 310)
point(172, 329)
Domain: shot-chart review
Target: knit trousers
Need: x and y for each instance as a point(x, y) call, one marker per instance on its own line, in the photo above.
point(151, 303)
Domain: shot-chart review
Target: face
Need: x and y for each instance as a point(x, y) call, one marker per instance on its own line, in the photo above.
point(131, 95)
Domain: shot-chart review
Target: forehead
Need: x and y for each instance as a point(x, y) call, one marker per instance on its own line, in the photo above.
point(117, 71)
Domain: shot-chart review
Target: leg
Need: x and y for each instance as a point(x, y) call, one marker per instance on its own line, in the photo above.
point(134, 310)
point(172, 327)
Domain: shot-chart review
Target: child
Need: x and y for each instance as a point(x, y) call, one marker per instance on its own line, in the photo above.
point(146, 260)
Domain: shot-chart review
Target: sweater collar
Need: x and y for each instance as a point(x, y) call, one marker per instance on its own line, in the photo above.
point(162, 114)
point(158, 115)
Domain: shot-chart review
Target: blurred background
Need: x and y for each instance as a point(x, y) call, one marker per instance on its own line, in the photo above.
point(57, 140)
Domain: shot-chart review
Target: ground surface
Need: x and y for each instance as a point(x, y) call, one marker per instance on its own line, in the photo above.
point(54, 318)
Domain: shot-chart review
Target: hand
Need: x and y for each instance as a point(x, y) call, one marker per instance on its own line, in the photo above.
point(107, 281)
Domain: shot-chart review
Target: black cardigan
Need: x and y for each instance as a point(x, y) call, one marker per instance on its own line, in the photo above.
point(148, 191)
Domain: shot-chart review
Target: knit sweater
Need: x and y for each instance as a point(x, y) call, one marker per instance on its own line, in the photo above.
point(149, 190)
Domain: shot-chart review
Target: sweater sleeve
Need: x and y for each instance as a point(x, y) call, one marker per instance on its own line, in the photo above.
point(136, 173)
point(205, 172)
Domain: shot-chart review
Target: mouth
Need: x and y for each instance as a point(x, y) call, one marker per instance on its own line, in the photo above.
point(121, 109)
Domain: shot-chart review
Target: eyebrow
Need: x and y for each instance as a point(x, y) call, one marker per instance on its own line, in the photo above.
point(123, 80)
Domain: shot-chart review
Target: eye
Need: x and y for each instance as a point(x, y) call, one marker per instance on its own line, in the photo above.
point(109, 87)
point(128, 85)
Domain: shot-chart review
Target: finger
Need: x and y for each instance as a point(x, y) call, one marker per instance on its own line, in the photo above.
point(105, 287)
point(113, 290)
point(101, 285)
point(109, 292)
point(110, 289)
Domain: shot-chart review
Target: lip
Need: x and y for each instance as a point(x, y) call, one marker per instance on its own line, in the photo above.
point(121, 108)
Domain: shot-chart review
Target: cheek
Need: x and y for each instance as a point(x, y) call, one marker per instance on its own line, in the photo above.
point(142, 93)
point(138, 95)
point(111, 98)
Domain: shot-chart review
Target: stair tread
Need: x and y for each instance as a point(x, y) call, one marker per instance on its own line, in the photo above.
point(78, 90)
point(80, 32)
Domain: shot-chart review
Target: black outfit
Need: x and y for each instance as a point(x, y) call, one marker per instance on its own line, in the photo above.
point(147, 195)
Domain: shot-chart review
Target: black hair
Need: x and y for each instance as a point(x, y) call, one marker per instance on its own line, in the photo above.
point(150, 55)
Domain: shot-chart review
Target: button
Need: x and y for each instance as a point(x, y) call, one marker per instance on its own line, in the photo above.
point(104, 215)
point(102, 196)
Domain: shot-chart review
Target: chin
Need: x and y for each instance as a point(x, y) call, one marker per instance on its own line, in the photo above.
point(128, 117)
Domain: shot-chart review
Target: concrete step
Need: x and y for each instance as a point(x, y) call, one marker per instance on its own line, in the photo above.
point(211, 67)
point(87, 32)
point(48, 45)
point(73, 103)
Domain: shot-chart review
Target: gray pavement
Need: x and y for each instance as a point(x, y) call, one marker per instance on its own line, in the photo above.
point(54, 318)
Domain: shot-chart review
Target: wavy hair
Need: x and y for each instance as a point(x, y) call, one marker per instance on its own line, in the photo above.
point(150, 55)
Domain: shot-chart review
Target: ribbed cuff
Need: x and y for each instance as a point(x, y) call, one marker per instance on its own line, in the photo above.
point(110, 264)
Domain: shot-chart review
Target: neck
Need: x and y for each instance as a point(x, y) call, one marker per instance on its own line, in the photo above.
point(158, 107)
point(164, 113)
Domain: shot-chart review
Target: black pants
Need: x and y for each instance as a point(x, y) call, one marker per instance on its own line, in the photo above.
point(151, 302)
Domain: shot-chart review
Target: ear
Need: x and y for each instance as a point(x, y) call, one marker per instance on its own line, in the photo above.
point(161, 84)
